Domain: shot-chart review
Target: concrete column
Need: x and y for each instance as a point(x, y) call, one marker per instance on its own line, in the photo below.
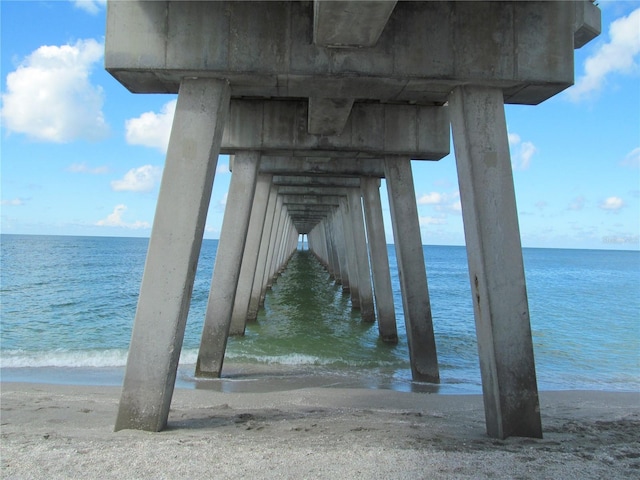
point(327, 239)
point(226, 270)
point(495, 262)
point(333, 245)
point(350, 245)
point(174, 247)
point(379, 259)
point(341, 246)
point(272, 259)
point(250, 256)
point(361, 256)
point(254, 301)
point(413, 278)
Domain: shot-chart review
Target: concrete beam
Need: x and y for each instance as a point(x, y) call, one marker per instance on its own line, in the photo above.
point(426, 49)
point(330, 200)
point(322, 166)
point(301, 180)
point(317, 191)
point(279, 128)
point(348, 23)
point(587, 23)
point(328, 116)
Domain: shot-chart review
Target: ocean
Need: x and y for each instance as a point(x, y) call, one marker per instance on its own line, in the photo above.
point(68, 305)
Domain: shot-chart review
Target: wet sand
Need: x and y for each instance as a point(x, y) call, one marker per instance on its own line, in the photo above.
point(60, 431)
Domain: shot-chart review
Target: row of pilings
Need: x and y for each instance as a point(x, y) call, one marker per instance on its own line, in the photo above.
point(318, 90)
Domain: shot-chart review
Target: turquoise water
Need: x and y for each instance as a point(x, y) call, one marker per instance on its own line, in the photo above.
point(68, 305)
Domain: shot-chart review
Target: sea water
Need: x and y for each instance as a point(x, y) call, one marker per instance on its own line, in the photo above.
point(68, 305)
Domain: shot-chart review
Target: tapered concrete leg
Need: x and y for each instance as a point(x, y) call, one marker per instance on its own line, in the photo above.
point(413, 278)
point(273, 251)
point(174, 247)
point(227, 266)
point(495, 262)
point(350, 246)
point(250, 256)
point(333, 243)
point(361, 256)
point(341, 248)
point(254, 301)
point(379, 259)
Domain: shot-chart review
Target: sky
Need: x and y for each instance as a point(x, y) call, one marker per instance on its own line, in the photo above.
point(80, 155)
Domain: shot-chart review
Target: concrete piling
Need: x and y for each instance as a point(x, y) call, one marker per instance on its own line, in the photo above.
point(495, 262)
point(174, 246)
point(226, 270)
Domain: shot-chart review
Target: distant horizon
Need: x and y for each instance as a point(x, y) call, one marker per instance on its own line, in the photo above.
point(81, 155)
point(141, 237)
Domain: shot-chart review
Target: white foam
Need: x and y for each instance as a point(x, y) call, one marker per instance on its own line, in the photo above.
point(63, 358)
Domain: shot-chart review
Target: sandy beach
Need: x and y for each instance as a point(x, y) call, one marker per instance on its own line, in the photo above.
point(58, 431)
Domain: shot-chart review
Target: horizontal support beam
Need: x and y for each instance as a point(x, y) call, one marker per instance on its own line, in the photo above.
point(323, 166)
point(423, 53)
point(372, 131)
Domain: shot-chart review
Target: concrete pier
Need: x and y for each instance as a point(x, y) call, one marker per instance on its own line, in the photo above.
point(250, 256)
point(379, 260)
point(342, 97)
point(261, 263)
point(411, 267)
point(360, 252)
point(226, 270)
point(495, 262)
point(174, 246)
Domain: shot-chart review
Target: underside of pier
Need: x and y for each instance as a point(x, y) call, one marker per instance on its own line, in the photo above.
point(316, 101)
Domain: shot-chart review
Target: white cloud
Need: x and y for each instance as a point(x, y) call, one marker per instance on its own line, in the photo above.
point(612, 204)
point(223, 169)
point(15, 202)
point(90, 6)
point(223, 200)
point(441, 202)
point(432, 198)
point(152, 129)
point(632, 159)
point(141, 179)
point(84, 168)
point(521, 152)
point(616, 56)
point(424, 221)
point(49, 96)
point(114, 219)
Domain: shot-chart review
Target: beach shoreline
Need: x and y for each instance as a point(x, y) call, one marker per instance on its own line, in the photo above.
point(66, 431)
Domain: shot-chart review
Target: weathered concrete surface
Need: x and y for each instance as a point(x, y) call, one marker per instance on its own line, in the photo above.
point(350, 24)
point(337, 111)
point(250, 255)
point(174, 246)
point(495, 263)
point(226, 270)
point(379, 260)
point(425, 50)
point(361, 254)
point(281, 129)
point(328, 116)
point(411, 269)
point(322, 166)
point(258, 280)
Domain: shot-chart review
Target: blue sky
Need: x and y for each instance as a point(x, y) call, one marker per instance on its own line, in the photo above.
point(83, 156)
